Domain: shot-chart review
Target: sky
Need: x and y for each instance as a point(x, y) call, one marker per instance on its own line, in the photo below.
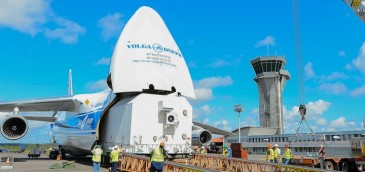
point(40, 40)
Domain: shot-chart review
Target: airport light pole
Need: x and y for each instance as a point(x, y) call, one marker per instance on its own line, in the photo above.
point(238, 108)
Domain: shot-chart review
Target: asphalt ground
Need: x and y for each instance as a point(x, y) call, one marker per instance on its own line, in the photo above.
point(22, 163)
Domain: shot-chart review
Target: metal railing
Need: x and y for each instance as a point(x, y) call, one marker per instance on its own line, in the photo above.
point(210, 163)
point(221, 163)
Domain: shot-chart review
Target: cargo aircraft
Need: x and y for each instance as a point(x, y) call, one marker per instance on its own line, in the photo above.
point(146, 103)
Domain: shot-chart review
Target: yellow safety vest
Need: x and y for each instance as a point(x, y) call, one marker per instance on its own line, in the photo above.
point(157, 155)
point(114, 155)
point(288, 154)
point(97, 154)
point(203, 151)
point(269, 154)
point(225, 152)
point(275, 153)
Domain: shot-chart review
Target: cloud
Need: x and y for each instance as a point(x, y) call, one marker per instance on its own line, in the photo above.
point(204, 87)
point(104, 61)
point(315, 110)
point(192, 64)
point(223, 124)
point(218, 63)
point(342, 53)
point(26, 16)
point(254, 111)
point(202, 111)
point(335, 88)
point(111, 25)
point(349, 67)
point(204, 94)
point(341, 124)
point(318, 107)
point(333, 76)
point(35, 16)
point(224, 62)
point(359, 61)
point(308, 71)
point(269, 40)
point(290, 114)
point(249, 121)
point(206, 121)
point(212, 82)
point(358, 91)
point(68, 32)
point(321, 121)
point(97, 85)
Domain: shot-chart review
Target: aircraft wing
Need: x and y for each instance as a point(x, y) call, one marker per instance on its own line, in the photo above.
point(213, 130)
point(41, 118)
point(47, 104)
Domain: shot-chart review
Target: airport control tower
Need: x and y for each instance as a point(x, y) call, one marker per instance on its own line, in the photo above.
point(270, 79)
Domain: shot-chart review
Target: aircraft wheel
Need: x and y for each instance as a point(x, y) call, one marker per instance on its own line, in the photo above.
point(360, 167)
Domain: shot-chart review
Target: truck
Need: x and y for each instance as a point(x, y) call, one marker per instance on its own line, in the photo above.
point(346, 155)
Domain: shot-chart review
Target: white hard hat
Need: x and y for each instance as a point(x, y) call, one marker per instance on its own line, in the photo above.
point(203, 147)
point(276, 145)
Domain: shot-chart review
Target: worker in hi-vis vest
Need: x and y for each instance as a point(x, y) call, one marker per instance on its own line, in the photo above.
point(158, 156)
point(276, 154)
point(114, 157)
point(97, 151)
point(269, 153)
point(203, 150)
point(288, 155)
point(225, 151)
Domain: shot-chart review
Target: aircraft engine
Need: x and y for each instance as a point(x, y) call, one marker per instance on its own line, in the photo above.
point(201, 137)
point(14, 127)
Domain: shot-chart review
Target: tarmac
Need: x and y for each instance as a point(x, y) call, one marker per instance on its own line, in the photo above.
point(24, 164)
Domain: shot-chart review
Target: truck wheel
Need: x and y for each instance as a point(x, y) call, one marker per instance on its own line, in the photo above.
point(328, 165)
point(360, 167)
point(344, 166)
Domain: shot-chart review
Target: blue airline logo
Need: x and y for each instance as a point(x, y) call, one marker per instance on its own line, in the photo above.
point(156, 47)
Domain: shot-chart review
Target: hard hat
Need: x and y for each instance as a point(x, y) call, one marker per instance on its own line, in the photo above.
point(162, 144)
point(115, 147)
point(276, 145)
point(203, 147)
point(269, 145)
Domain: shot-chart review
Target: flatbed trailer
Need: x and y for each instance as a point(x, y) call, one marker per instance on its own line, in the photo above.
point(332, 156)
